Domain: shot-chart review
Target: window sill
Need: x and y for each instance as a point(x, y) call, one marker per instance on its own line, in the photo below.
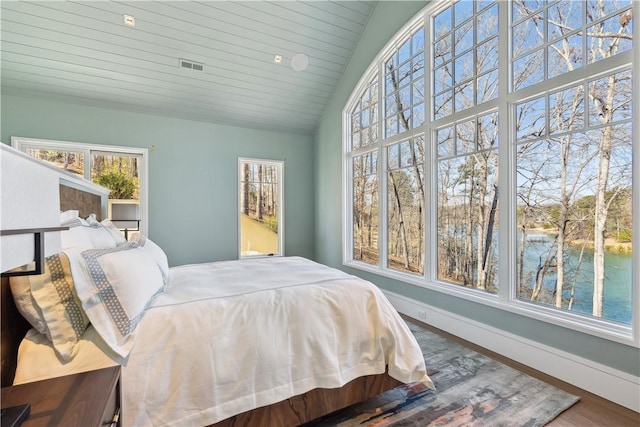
point(611, 331)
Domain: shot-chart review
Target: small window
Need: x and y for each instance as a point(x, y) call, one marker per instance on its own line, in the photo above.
point(121, 169)
point(261, 208)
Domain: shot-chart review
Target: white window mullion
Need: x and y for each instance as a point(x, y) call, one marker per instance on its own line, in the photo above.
point(506, 163)
point(635, 321)
point(431, 203)
point(347, 211)
point(430, 176)
point(382, 173)
point(88, 163)
point(347, 194)
point(383, 229)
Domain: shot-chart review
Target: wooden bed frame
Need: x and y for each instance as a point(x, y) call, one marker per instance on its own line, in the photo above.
point(291, 412)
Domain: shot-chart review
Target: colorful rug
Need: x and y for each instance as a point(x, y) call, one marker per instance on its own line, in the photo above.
point(472, 390)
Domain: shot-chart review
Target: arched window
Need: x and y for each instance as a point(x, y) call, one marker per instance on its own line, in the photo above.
point(488, 153)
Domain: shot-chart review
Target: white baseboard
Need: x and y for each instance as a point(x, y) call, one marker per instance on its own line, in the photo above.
point(611, 384)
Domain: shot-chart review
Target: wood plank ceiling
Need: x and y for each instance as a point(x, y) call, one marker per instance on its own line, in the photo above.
point(83, 52)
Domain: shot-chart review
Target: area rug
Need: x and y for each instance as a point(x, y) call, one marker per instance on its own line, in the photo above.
point(472, 390)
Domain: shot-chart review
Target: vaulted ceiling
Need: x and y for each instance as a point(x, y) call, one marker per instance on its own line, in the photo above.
point(84, 52)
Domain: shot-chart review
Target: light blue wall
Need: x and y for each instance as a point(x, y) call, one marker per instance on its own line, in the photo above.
point(192, 175)
point(387, 19)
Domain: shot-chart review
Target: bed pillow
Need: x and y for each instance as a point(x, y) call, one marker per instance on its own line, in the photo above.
point(116, 285)
point(101, 238)
point(21, 287)
point(56, 301)
point(69, 215)
point(21, 291)
point(76, 236)
point(154, 252)
point(87, 234)
point(110, 227)
point(115, 232)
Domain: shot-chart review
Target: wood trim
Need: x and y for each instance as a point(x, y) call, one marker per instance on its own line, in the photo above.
point(71, 400)
point(303, 408)
point(13, 329)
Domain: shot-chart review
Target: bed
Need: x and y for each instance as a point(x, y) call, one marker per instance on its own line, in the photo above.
point(271, 341)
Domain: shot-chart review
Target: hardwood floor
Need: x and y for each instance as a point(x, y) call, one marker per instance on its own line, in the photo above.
point(590, 411)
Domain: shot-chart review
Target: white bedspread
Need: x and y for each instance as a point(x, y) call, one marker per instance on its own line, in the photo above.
point(227, 337)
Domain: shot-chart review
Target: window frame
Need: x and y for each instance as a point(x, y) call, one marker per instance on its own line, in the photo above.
point(22, 144)
point(280, 177)
point(506, 298)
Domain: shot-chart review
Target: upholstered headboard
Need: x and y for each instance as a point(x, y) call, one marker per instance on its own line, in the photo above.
point(85, 202)
point(85, 197)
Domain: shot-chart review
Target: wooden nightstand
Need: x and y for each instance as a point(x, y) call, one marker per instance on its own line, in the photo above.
point(84, 400)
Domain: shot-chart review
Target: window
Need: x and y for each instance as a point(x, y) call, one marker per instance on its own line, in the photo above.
point(261, 207)
point(502, 154)
point(121, 169)
point(467, 202)
point(405, 205)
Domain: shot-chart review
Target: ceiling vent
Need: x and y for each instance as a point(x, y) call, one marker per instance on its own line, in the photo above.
point(184, 63)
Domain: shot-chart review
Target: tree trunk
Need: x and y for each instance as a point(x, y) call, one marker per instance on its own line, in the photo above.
point(481, 222)
point(575, 277)
point(562, 224)
point(418, 177)
point(540, 274)
point(490, 223)
point(245, 188)
point(370, 222)
point(470, 222)
point(402, 233)
point(259, 200)
point(361, 215)
point(600, 215)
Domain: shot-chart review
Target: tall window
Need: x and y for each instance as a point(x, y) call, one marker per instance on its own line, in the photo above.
point(574, 156)
point(121, 169)
point(504, 122)
point(261, 207)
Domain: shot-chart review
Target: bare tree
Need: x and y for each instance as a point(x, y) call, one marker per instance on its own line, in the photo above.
point(246, 177)
point(577, 150)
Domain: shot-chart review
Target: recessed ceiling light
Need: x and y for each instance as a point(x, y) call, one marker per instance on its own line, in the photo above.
point(300, 62)
point(277, 58)
point(129, 20)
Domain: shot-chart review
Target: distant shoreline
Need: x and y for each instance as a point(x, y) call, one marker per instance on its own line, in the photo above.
point(610, 245)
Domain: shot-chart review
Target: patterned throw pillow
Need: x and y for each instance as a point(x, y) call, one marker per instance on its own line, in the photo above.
point(55, 296)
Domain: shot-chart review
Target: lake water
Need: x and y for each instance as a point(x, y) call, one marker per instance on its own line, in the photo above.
point(617, 304)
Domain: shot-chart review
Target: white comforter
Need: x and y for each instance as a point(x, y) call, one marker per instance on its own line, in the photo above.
point(230, 336)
